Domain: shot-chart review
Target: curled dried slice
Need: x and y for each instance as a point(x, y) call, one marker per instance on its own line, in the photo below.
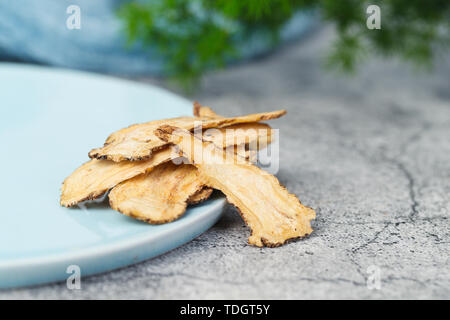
point(200, 196)
point(96, 177)
point(204, 112)
point(272, 213)
point(138, 142)
point(160, 196)
point(255, 135)
point(244, 139)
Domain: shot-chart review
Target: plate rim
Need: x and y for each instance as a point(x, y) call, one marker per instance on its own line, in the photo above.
point(214, 210)
point(116, 245)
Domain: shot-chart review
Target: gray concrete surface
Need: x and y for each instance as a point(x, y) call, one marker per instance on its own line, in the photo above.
point(370, 153)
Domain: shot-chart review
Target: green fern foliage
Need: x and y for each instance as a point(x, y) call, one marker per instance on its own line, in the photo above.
point(196, 35)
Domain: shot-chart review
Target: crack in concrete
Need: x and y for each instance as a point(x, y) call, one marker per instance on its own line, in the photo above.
point(335, 280)
point(409, 178)
point(435, 236)
point(411, 188)
point(408, 175)
point(399, 165)
point(358, 267)
point(393, 278)
point(252, 283)
point(372, 240)
point(411, 185)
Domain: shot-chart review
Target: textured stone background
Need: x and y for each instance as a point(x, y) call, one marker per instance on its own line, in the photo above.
point(370, 153)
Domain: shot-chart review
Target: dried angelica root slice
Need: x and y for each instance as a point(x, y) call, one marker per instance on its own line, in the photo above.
point(204, 112)
point(272, 213)
point(138, 142)
point(200, 196)
point(244, 139)
point(159, 196)
point(255, 135)
point(94, 178)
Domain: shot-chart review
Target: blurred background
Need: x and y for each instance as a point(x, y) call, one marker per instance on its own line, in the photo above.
point(183, 40)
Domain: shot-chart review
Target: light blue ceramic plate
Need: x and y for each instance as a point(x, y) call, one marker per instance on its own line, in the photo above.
point(49, 120)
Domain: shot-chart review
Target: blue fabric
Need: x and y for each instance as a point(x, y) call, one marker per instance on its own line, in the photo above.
point(32, 30)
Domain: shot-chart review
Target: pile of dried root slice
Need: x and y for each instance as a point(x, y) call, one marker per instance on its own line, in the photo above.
point(153, 173)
